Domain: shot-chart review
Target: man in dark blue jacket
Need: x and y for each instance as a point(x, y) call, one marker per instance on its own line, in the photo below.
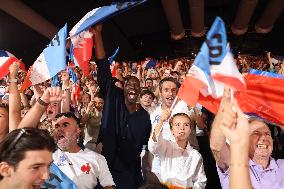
point(125, 125)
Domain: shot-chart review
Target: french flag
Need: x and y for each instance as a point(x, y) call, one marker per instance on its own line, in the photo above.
point(6, 59)
point(213, 67)
point(264, 96)
point(81, 37)
point(51, 61)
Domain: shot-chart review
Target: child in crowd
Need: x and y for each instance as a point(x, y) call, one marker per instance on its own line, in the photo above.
point(181, 165)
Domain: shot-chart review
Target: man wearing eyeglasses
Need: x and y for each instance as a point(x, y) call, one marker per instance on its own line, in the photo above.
point(25, 157)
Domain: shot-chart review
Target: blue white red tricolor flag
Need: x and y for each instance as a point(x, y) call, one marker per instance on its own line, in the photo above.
point(213, 67)
point(101, 14)
point(82, 38)
point(6, 59)
point(51, 61)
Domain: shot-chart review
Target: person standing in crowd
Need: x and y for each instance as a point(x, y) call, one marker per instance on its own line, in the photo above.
point(25, 157)
point(168, 90)
point(181, 165)
point(146, 100)
point(125, 126)
point(265, 171)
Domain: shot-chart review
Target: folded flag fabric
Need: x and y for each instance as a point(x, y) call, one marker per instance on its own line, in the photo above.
point(264, 96)
point(51, 61)
point(213, 67)
point(81, 37)
point(81, 49)
point(101, 14)
point(58, 180)
point(6, 59)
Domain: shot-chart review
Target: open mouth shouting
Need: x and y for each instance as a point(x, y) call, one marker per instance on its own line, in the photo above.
point(262, 146)
point(132, 95)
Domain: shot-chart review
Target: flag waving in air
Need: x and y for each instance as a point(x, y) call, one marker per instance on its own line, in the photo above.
point(101, 14)
point(51, 61)
point(82, 38)
point(6, 59)
point(213, 67)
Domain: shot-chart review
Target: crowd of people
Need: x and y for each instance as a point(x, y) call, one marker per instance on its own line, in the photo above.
point(126, 129)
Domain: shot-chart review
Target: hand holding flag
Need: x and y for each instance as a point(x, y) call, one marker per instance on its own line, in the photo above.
point(213, 67)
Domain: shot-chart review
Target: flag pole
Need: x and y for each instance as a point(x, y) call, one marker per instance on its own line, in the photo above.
point(174, 103)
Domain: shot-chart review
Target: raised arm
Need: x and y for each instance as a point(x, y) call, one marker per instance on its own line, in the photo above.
point(65, 103)
point(238, 135)
point(32, 118)
point(218, 144)
point(155, 146)
point(14, 98)
point(103, 70)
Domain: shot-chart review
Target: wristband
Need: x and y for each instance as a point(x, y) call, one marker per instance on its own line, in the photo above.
point(41, 102)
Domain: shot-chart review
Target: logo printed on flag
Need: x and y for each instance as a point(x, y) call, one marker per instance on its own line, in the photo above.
point(51, 61)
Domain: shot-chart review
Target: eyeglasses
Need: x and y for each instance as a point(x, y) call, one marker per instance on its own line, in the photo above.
point(28, 132)
point(17, 138)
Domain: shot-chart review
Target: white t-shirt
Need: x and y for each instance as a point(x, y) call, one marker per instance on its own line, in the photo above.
point(179, 167)
point(180, 107)
point(84, 167)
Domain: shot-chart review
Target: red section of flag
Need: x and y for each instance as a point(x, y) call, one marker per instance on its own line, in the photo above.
point(84, 54)
point(230, 80)
point(4, 69)
point(189, 90)
point(264, 97)
point(27, 83)
point(77, 92)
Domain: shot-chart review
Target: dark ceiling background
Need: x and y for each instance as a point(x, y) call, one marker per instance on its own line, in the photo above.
point(142, 31)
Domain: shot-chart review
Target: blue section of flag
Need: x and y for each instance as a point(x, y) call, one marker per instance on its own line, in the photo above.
point(269, 74)
point(72, 75)
point(213, 50)
point(3, 53)
point(58, 180)
point(55, 52)
point(112, 57)
point(216, 41)
point(55, 81)
point(151, 64)
point(104, 13)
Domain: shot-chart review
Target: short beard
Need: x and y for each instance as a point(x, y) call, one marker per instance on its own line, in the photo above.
point(67, 144)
